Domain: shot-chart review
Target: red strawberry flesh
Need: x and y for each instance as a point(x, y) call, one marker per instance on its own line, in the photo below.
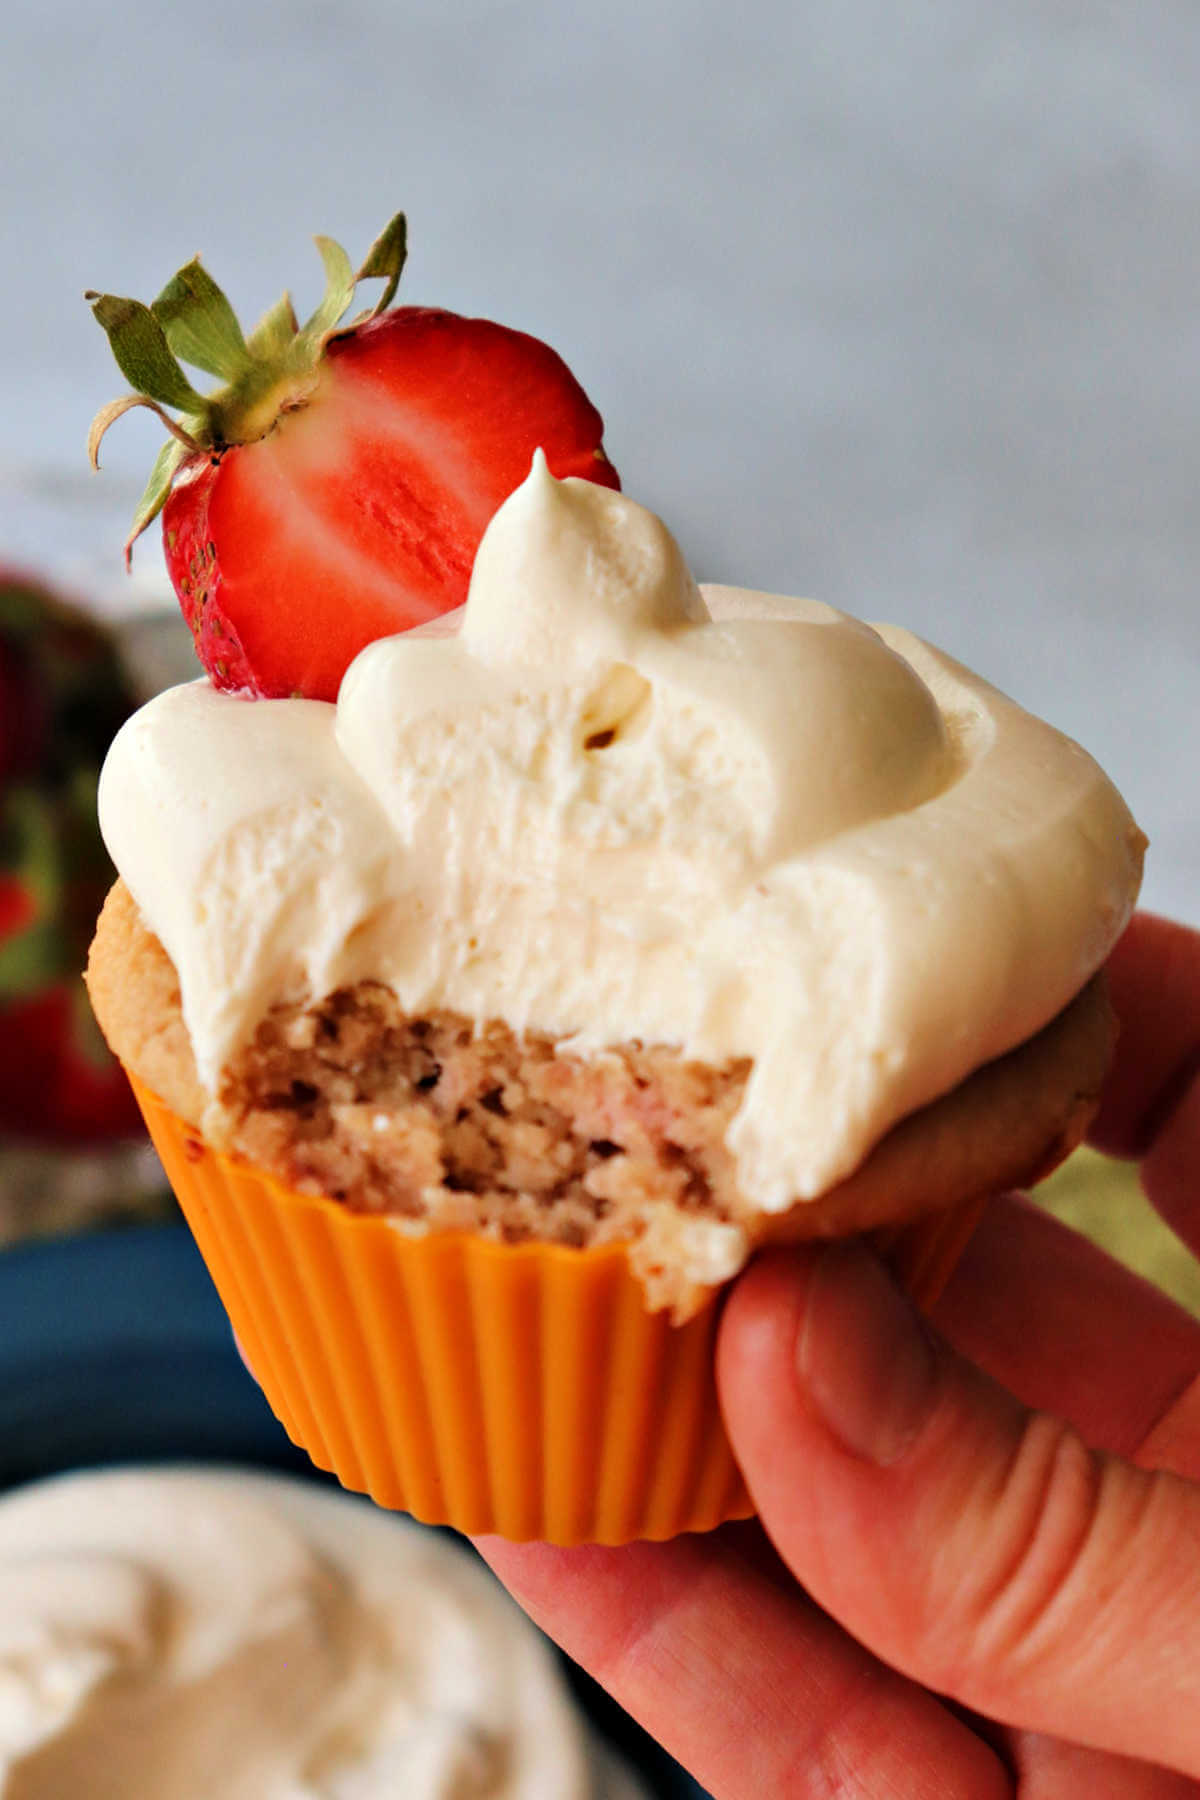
point(359, 514)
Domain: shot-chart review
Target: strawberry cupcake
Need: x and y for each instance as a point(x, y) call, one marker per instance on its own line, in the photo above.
point(492, 1002)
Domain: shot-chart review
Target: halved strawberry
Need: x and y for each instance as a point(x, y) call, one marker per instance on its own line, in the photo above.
point(335, 490)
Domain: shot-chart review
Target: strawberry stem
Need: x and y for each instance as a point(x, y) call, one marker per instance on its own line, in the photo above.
point(274, 331)
point(167, 465)
point(272, 371)
point(200, 325)
point(339, 291)
point(143, 354)
point(386, 259)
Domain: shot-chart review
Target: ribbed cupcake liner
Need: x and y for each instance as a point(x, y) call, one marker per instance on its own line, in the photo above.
point(518, 1389)
point(923, 1254)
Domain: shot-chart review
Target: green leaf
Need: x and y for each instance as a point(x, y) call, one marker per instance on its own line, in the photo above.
point(339, 290)
point(28, 845)
point(22, 608)
point(385, 259)
point(199, 324)
point(143, 354)
point(32, 958)
point(189, 441)
point(154, 495)
point(274, 332)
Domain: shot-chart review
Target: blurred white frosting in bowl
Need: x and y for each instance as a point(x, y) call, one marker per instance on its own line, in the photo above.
point(206, 1630)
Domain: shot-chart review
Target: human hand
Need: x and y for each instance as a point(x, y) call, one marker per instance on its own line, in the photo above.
point(977, 1567)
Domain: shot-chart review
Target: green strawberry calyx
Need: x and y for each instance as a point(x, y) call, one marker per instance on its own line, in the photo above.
point(270, 372)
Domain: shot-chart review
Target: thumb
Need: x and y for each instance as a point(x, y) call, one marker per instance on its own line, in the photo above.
point(983, 1550)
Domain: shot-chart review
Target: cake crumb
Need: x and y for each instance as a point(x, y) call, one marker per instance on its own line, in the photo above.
point(439, 1119)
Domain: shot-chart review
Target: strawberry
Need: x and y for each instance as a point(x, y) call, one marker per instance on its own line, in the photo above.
point(62, 696)
point(17, 906)
point(61, 1086)
point(58, 1082)
point(22, 720)
point(63, 692)
point(335, 489)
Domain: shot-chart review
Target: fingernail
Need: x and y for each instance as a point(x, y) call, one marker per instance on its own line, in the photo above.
point(864, 1357)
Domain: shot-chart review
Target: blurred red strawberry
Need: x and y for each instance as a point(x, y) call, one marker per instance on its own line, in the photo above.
point(62, 696)
point(335, 489)
point(22, 716)
point(17, 906)
point(58, 1082)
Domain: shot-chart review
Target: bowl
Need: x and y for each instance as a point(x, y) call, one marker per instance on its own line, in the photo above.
point(114, 1348)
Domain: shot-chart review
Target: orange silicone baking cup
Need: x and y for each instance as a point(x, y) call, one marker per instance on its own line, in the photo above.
point(521, 1389)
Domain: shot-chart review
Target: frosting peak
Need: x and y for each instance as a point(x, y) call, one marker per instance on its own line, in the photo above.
point(561, 547)
point(588, 664)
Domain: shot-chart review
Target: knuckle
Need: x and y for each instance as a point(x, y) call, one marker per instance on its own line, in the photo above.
point(1034, 1551)
point(847, 1752)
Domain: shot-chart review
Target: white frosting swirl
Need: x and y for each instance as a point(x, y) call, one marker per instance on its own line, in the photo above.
point(611, 805)
point(176, 1633)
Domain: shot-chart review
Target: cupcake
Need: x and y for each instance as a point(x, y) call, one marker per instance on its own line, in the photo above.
point(491, 1008)
point(172, 1632)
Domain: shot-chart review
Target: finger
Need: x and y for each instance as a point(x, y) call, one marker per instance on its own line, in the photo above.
point(740, 1677)
point(1154, 980)
point(1151, 1103)
point(1171, 1166)
point(1067, 1329)
point(978, 1547)
point(1048, 1769)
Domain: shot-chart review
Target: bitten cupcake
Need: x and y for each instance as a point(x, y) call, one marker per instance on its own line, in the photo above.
point(488, 1016)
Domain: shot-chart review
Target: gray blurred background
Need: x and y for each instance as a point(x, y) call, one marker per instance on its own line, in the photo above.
point(898, 306)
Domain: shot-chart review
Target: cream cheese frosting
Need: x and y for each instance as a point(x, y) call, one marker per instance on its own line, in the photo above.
point(608, 804)
point(185, 1632)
